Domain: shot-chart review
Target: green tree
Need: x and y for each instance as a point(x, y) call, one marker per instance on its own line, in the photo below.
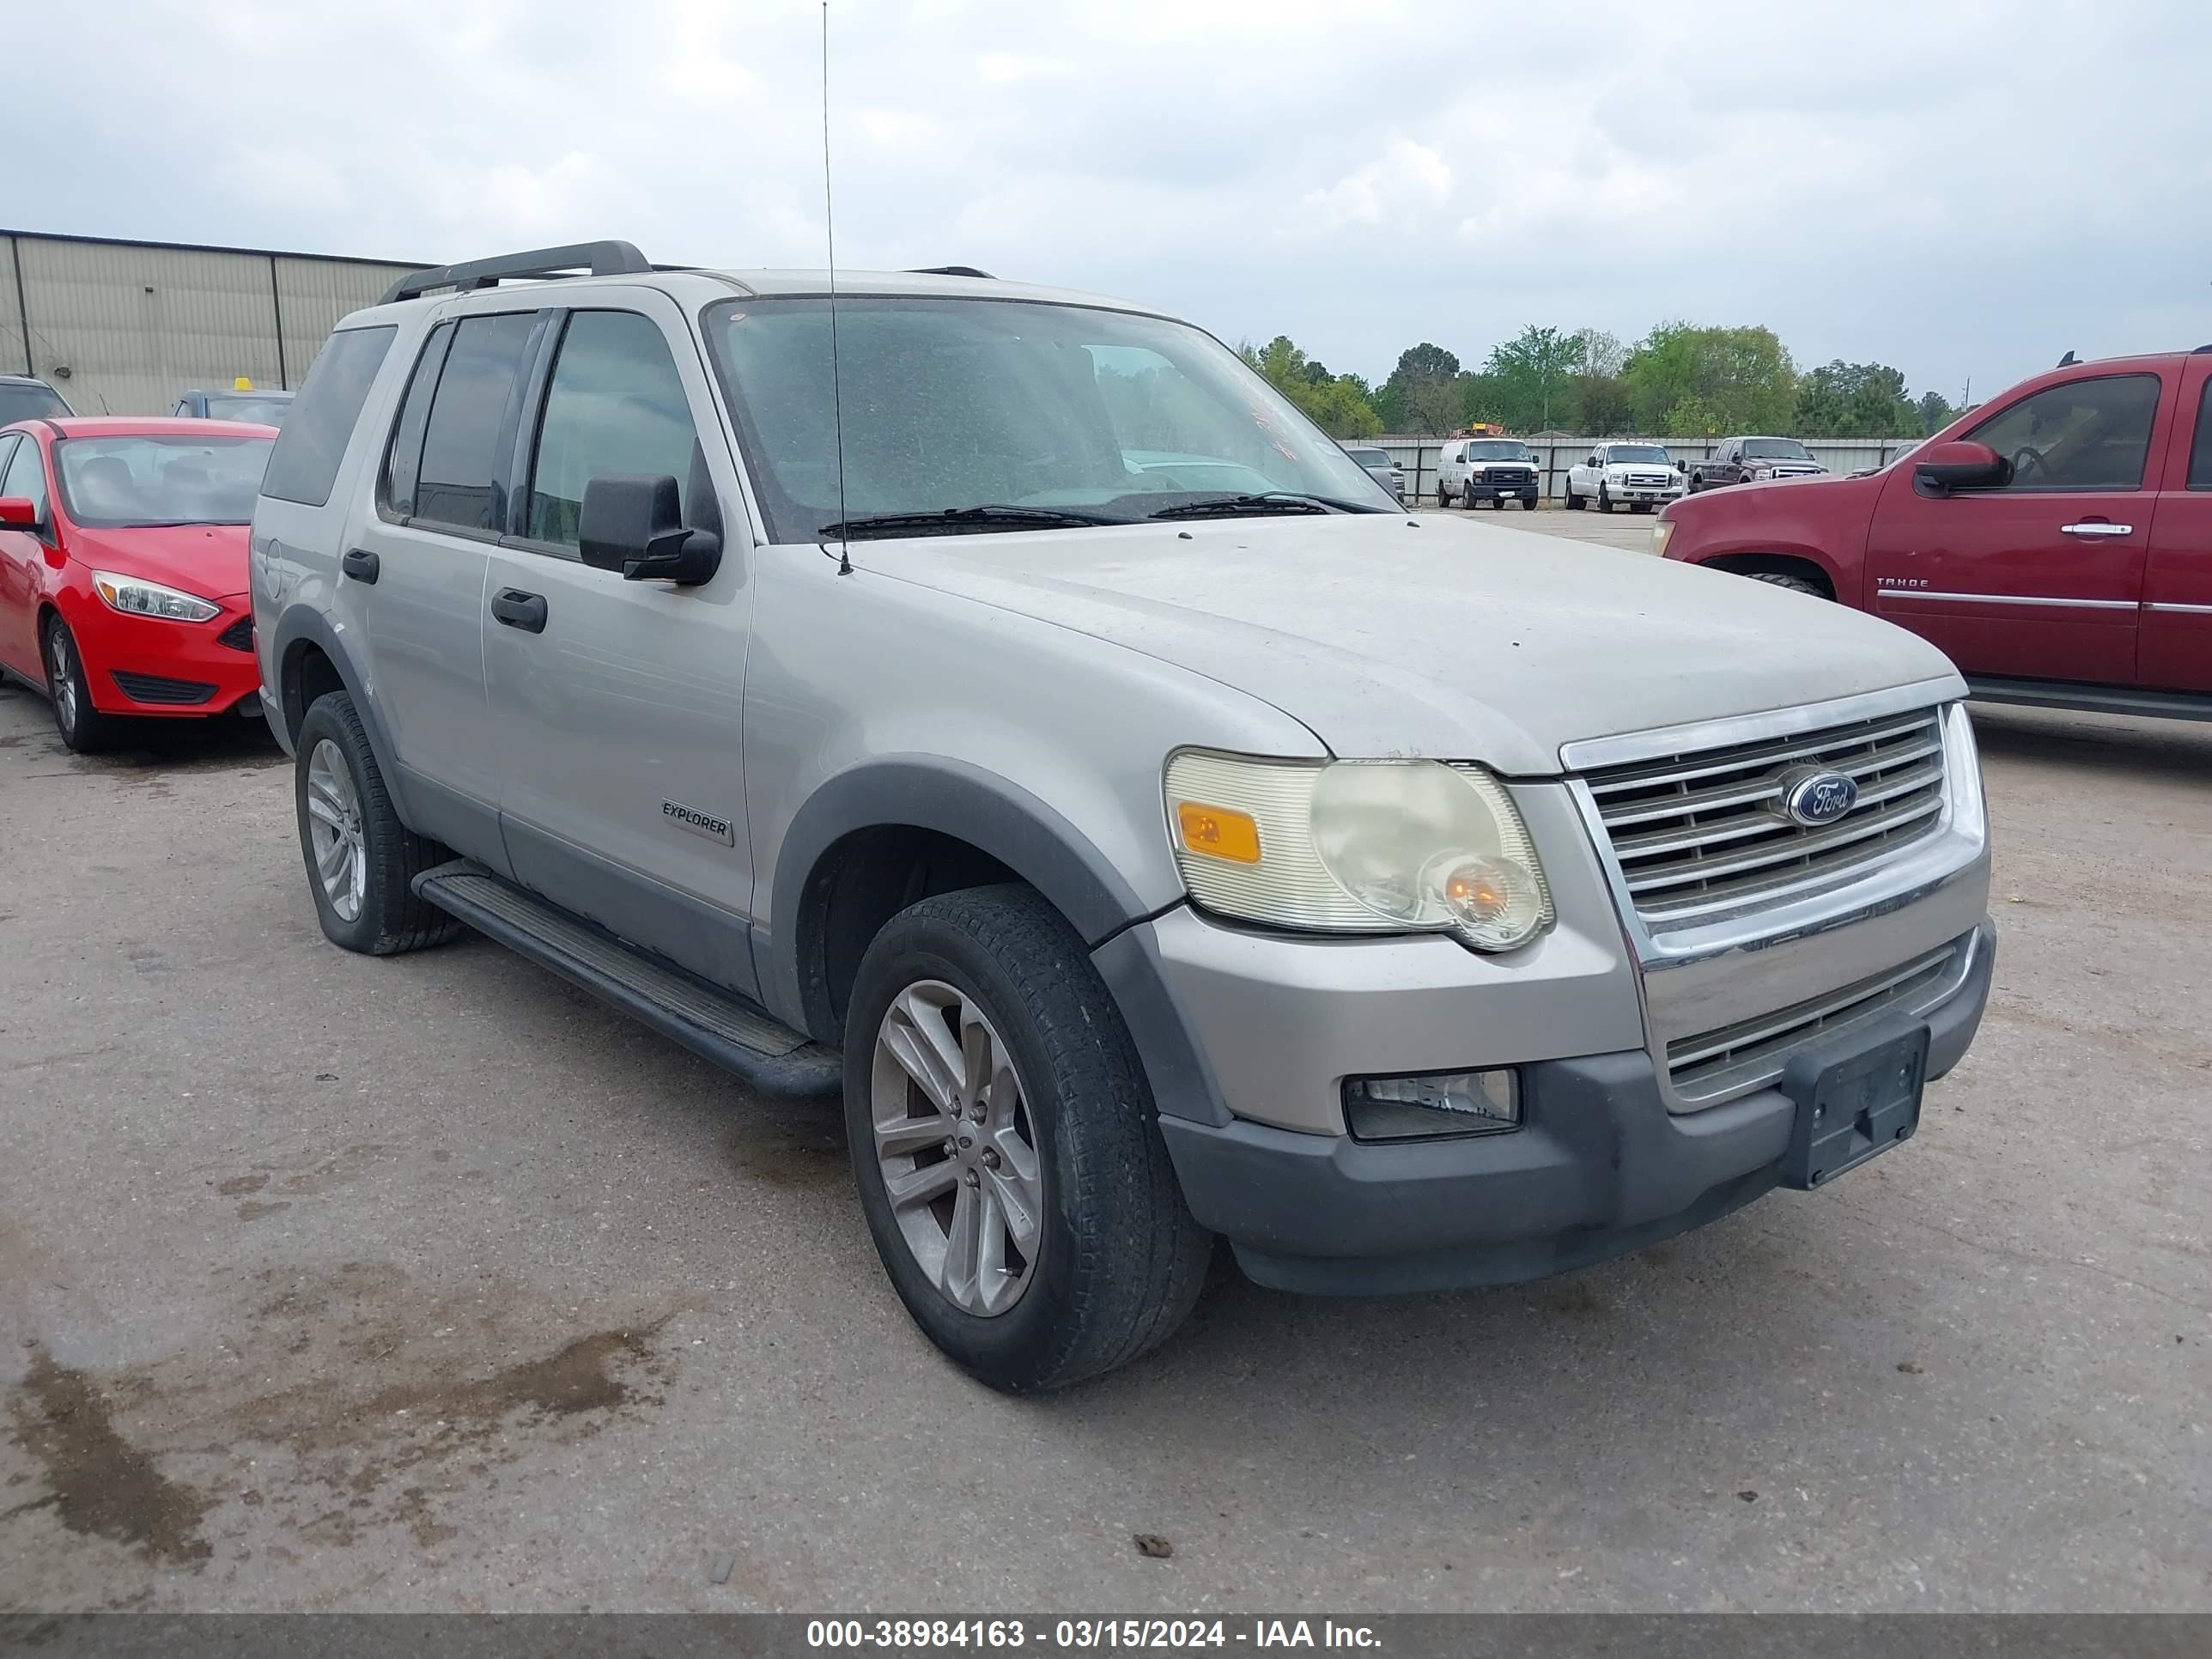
point(1528, 376)
point(1604, 407)
point(1685, 381)
point(1855, 400)
point(1482, 398)
point(1425, 392)
point(1336, 403)
point(1936, 413)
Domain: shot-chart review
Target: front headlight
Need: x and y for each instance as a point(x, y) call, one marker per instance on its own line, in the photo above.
point(143, 598)
point(1662, 530)
point(1359, 846)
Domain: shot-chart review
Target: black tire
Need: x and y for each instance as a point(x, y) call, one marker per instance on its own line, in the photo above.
point(1695, 484)
point(1119, 1261)
point(391, 919)
point(1574, 501)
point(1528, 503)
point(1443, 499)
point(1604, 499)
point(1640, 507)
point(83, 728)
point(1796, 584)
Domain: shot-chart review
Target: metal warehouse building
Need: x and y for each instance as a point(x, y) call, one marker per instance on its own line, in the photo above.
point(124, 328)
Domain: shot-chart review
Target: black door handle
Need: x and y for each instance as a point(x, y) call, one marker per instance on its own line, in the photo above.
point(360, 565)
point(517, 609)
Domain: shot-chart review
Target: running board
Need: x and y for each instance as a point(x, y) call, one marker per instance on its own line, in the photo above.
point(711, 1023)
point(2093, 699)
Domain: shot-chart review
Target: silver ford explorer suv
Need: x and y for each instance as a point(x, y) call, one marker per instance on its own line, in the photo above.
point(1001, 705)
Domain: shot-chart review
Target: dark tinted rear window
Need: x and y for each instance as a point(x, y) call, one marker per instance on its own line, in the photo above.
point(22, 403)
point(2200, 458)
point(461, 443)
point(305, 463)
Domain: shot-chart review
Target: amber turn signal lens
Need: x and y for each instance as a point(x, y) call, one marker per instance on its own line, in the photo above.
point(1219, 832)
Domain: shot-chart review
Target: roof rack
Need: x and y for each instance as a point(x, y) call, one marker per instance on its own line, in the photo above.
point(952, 271)
point(598, 259)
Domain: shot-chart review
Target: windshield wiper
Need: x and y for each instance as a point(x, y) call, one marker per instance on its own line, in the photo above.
point(1269, 501)
point(955, 519)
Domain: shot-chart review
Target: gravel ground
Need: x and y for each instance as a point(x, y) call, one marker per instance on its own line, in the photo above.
point(1625, 529)
point(428, 1282)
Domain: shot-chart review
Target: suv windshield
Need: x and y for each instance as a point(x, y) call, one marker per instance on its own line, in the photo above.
point(1638, 453)
point(1370, 457)
point(22, 403)
point(1067, 415)
point(268, 411)
point(117, 482)
point(1776, 449)
point(1497, 451)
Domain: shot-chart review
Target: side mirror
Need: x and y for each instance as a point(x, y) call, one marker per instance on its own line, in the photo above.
point(19, 512)
point(1941, 468)
point(1681, 466)
point(633, 522)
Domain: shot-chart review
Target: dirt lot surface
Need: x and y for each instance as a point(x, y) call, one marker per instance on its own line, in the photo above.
point(429, 1283)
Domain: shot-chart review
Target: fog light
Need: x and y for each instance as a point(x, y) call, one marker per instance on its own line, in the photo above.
point(1440, 1103)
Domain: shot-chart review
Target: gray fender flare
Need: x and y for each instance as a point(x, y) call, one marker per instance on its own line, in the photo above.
point(302, 626)
point(1032, 839)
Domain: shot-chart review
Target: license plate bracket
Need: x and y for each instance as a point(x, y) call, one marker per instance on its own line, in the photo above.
point(1855, 1104)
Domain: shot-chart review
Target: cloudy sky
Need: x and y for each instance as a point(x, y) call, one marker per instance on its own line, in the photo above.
point(1959, 187)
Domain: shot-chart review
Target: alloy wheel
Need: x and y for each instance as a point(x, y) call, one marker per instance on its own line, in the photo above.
point(61, 676)
point(335, 830)
point(956, 1147)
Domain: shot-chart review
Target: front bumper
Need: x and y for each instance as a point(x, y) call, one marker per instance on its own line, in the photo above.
point(1491, 490)
point(146, 666)
point(1599, 1166)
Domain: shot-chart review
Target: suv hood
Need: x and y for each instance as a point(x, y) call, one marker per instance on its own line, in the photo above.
point(1430, 637)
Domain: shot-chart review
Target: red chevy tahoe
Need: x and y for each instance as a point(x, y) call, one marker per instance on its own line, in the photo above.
point(2057, 541)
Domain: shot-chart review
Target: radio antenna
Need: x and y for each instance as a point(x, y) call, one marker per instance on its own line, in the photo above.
point(836, 379)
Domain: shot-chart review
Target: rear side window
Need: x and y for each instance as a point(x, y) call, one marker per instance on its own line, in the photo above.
point(614, 404)
point(458, 483)
point(402, 465)
point(2200, 456)
point(305, 463)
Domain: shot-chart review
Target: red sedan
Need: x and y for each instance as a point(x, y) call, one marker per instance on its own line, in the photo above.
point(122, 584)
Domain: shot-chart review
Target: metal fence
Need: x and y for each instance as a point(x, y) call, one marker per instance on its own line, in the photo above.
point(1417, 455)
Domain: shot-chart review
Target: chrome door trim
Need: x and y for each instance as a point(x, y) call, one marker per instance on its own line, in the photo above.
point(2003, 598)
point(2174, 608)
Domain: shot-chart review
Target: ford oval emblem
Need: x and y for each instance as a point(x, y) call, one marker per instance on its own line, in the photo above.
point(1813, 797)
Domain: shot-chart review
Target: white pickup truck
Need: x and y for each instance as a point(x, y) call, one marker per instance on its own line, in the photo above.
point(1641, 475)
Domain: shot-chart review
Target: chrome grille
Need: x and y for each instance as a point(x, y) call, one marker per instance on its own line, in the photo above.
point(1752, 1053)
point(1648, 480)
point(1702, 833)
